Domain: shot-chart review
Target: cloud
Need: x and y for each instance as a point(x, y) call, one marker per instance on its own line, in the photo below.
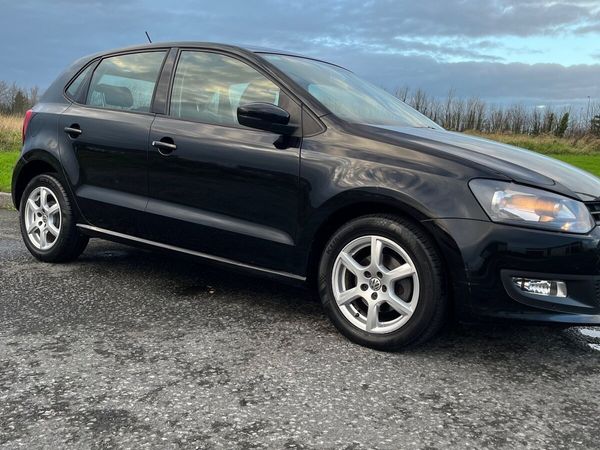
point(435, 44)
point(493, 81)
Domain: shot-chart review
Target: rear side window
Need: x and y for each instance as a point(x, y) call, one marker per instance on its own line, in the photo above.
point(209, 87)
point(73, 89)
point(125, 82)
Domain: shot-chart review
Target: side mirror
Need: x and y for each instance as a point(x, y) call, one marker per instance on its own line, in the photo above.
point(265, 116)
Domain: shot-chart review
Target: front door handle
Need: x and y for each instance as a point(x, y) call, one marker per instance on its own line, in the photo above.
point(73, 131)
point(165, 146)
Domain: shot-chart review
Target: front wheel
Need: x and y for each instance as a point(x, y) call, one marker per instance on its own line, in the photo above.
point(48, 223)
point(381, 283)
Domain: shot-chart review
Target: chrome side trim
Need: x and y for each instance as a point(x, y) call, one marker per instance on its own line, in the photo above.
point(190, 252)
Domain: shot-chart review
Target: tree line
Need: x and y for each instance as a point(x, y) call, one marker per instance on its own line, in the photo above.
point(453, 113)
point(15, 100)
point(460, 114)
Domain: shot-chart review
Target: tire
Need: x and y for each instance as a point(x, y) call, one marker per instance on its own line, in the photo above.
point(54, 236)
point(397, 303)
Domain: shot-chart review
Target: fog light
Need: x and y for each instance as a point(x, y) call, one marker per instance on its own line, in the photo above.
point(541, 287)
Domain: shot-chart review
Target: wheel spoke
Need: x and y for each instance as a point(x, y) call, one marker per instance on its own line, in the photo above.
point(400, 272)
point(53, 230)
point(348, 296)
point(372, 316)
point(400, 306)
point(376, 251)
point(43, 238)
point(53, 209)
point(32, 227)
point(44, 199)
point(32, 205)
point(350, 263)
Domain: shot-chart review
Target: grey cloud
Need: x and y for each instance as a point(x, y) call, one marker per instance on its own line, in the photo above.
point(391, 42)
point(489, 80)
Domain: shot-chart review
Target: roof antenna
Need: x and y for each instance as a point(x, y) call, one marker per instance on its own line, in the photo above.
point(148, 36)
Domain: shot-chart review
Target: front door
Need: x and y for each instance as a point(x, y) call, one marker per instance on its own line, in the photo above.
point(218, 187)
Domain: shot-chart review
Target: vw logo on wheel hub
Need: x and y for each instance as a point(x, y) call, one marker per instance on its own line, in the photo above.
point(375, 284)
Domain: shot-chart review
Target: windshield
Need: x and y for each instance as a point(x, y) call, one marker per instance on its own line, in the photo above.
point(348, 96)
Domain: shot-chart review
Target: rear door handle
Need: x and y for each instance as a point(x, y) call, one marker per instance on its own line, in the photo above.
point(73, 131)
point(164, 148)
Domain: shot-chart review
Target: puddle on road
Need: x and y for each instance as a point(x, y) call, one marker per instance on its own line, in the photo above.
point(589, 336)
point(590, 332)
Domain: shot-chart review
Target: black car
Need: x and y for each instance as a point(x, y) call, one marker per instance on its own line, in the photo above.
point(296, 168)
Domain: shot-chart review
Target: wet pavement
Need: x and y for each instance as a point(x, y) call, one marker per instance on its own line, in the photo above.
point(130, 349)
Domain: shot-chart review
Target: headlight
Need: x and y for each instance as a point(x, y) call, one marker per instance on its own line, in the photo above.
point(521, 205)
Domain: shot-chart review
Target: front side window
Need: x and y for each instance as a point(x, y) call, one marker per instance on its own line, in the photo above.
point(209, 87)
point(348, 96)
point(125, 82)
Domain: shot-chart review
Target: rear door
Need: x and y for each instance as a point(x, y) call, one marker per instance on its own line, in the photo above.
point(104, 140)
point(223, 189)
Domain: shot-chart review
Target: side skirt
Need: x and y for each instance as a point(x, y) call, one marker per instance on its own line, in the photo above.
point(114, 234)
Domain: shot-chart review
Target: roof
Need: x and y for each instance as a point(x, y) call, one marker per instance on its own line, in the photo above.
point(216, 45)
point(210, 45)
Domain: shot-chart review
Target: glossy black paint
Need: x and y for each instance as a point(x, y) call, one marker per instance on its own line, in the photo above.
point(266, 117)
point(108, 164)
point(272, 201)
point(226, 191)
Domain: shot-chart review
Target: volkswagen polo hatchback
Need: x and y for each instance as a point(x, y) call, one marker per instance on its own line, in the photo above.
point(296, 168)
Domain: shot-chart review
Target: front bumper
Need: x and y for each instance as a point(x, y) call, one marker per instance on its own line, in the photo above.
point(482, 257)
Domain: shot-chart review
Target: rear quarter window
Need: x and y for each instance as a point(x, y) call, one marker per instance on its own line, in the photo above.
point(73, 90)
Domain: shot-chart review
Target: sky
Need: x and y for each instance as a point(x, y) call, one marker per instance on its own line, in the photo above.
point(529, 51)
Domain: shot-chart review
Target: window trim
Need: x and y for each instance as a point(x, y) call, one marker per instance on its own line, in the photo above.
point(85, 88)
point(243, 60)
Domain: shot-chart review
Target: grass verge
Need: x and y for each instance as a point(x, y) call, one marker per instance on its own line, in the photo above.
point(591, 163)
point(549, 144)
point(7, 163)
point(10, 133)
point(581, 152)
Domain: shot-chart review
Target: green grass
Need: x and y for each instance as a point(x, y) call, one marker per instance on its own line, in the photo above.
point(549, 144)
point(7, 163)
point(581, 152)
point(591, 163)
point(10, 146)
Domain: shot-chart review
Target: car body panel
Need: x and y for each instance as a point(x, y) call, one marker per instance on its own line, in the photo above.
point(522, 165)
point(222, 190)
point(488, 249)
point(107, 164)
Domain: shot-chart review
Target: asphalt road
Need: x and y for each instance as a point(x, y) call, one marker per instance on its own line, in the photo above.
point(126, 348)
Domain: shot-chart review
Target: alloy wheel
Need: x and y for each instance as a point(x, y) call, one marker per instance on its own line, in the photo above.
point(43, 218)
point(375, 284)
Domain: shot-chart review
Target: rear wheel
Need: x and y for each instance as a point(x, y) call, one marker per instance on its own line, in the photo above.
point(381, 283)
point(47, 221)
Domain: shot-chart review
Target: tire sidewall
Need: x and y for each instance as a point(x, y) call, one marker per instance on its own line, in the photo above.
point(67, 220)
point(430, 289)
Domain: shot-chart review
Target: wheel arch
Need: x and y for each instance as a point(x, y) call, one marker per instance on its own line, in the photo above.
point(33, 163)
point(378, 203)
